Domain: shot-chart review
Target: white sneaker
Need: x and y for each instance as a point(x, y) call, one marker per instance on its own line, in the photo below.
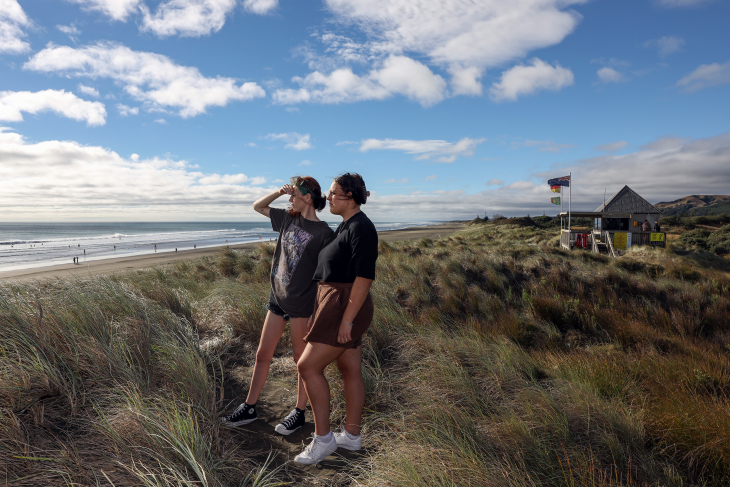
point(344, 440)
point(316, 451)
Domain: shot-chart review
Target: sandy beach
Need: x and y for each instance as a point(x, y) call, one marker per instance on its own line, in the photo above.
point(123, 264)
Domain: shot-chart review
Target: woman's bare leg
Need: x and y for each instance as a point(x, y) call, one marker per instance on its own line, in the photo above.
point(311, 367)
point(270, 336)
point(298, 329)
point(350, 365)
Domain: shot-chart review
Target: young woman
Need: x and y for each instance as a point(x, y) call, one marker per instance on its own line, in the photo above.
point(342, 313)
point(301, 237)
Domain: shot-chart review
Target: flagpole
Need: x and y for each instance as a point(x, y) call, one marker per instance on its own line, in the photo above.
point(561, 209)
point(570, 196)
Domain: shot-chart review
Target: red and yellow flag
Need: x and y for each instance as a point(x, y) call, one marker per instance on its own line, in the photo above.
point(555, 189)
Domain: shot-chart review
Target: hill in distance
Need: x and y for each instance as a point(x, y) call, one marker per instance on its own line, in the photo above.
point(696, 205)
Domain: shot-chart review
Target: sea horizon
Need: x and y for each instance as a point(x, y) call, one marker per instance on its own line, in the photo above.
point(25, 245)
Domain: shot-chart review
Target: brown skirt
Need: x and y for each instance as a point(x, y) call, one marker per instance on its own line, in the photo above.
point(329, 308)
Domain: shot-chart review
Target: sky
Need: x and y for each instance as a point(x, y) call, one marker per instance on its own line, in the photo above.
point(189, 110)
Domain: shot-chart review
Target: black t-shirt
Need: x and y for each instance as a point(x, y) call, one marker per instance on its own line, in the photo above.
point(351, 252)
point(295, 259)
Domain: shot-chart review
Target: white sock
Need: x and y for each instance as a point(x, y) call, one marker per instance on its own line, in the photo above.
point(326, 438)
point(351, 436)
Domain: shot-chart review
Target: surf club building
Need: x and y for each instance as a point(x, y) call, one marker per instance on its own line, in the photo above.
point(617, 225)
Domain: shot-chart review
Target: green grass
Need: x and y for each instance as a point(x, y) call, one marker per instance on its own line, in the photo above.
point(494, 358)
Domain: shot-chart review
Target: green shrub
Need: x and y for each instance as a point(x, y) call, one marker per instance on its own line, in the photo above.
point(696, 238)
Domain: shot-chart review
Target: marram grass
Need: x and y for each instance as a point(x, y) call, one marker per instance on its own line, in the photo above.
point(494, 359)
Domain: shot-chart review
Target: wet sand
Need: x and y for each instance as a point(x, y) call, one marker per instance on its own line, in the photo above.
point(124, 264)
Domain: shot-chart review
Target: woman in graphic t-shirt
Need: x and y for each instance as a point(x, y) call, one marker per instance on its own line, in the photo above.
point(342, 313)
point(301, 236)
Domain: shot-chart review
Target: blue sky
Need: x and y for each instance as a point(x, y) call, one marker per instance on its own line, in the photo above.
point(144, 110)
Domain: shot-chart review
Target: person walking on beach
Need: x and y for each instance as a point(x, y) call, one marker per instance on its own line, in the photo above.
point(301, 237)
point(342, 314)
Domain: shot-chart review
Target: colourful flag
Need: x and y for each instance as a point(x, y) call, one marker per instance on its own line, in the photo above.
point(564, 181)
point(555, 189)
point(555, 201)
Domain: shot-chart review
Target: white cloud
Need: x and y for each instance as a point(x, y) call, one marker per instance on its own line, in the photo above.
point(466, 81)
point(346, 142)
point(62, 177)
point(705, 76)
point(395, 75)
point(70, 30)
point(260, 6)
point(401, 181)
point(612, 146)
point(666, 45)
point(161, 121)
point(64, 103)
point(436, 150)
point(88, 90)
point(126, 111)
point(305, 163)
point(12, 21)
point(147, 77)
point(114, 9)
point(293, 140)
point(495, 182)
point(610, 75)
point(188, 18)
point(461, 34)
point(527, 79)
point(430, 178)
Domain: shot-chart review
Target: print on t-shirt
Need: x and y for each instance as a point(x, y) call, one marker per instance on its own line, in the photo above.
point(293, 243)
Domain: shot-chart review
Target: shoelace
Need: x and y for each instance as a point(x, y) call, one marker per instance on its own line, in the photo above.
point(291, 419)
point(311, 446)
point(237, 413)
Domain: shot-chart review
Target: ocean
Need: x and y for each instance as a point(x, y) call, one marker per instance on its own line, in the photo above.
point(28, 245)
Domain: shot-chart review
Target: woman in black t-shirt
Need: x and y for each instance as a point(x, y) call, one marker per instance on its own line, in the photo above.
point(342, 313)
point(301, 237)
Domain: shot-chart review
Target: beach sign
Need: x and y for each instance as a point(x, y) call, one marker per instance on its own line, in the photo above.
point(620, 240)
point(656, 237)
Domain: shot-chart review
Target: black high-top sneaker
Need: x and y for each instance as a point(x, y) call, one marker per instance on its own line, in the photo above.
point(293, 422)
point(244, 414)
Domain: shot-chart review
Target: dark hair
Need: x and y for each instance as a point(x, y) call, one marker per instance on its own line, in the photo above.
point(309, 185)
point(353, 183)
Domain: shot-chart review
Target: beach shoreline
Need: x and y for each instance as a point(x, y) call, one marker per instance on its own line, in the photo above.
point(124, 264)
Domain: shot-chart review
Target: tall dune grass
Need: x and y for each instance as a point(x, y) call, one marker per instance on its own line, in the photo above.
point(494, 359)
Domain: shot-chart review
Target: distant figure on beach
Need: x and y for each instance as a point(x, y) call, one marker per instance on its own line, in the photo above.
point(343, 312)
point(195, 246)
point(301, 237)
point(175, 249)
point(155, 247)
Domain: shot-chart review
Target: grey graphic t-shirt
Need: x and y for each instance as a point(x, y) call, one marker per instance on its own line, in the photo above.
point(295, 259)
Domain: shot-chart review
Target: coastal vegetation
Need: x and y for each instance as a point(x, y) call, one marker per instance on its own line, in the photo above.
point(495, 359)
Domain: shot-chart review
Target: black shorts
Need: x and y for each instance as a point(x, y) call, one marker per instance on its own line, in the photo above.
point(274, 308)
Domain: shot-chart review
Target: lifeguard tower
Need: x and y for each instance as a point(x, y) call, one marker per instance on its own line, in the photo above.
point(617, 225)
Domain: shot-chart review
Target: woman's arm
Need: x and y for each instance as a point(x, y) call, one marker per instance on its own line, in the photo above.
point(262, 205)
point(360, 290)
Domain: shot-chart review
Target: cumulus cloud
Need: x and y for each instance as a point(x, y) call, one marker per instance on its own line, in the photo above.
point(114, 9)
point(88, 90)
point(527, 79)
point(293, 140)
point(187, 18)
point(70, 30)
point(260, 6)
point(495, 182)
point(666, 45)
point(64, 103)
point(395, 75)
point(126, 111)
point(12, 21)
point(66, 176)
point(161, 121)
point(435, 150)
point(461, 35)
point(610, 75)
point(612, 146)
point(705, 76)
point(430, 178)
point(151, 78)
